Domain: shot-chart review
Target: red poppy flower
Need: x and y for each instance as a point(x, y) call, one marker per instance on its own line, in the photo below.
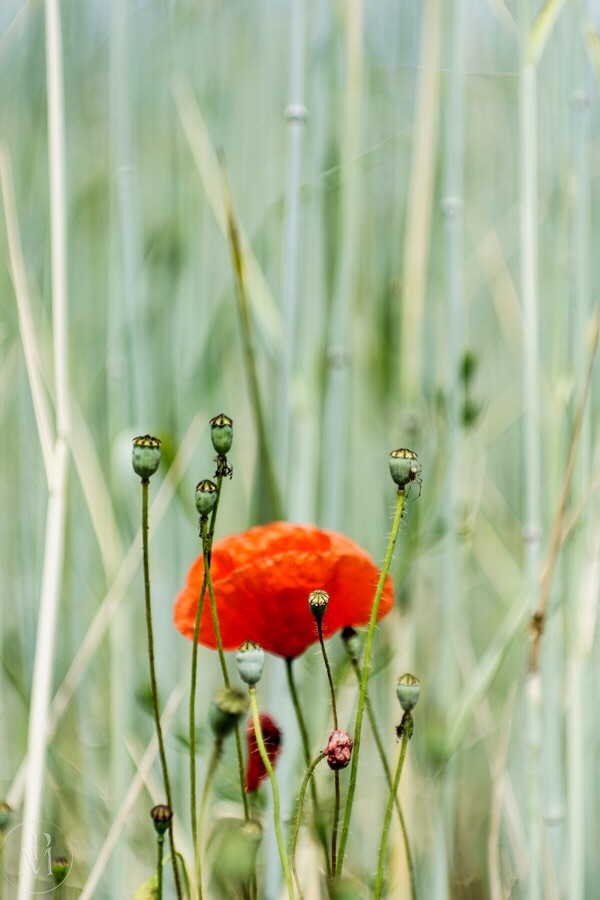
point(262, 579)
point(255, 767)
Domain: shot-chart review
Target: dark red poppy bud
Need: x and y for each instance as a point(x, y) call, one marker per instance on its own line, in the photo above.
point(339, 749)
point(161, 816)
point(255, 768)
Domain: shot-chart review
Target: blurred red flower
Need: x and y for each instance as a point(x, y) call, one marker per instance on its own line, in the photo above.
point(262, 579)
point(255, 768)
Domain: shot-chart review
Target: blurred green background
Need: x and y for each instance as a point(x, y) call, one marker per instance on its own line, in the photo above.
point(416, 184)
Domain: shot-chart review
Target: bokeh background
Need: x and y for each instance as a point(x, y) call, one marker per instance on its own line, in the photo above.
point(415, 184)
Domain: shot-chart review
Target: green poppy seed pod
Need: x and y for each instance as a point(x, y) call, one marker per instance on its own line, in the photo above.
point(221, 433)
point(408, 689)
point(226, 709)
point(250, 660)
point(145, 457)
point(206, 497)
point(404, 467)
point(60, 869)
point(352, 642)
point(161, 816)
point(6, 815)
point(317, 602)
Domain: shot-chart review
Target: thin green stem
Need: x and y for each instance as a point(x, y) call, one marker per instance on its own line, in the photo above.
point(154, 687)
point(364, 679)
point(307, 759)
point(406, 728)
point(192, 737)
point(160, 840)
point(388, 776)
point(213, 603)
point(336, 809)
point(308, 777)
point(212, 768)
point(276, 811)
point(240, 759)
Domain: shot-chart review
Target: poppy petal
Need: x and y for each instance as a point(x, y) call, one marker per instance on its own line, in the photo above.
point(262, 579)
point(255, 767)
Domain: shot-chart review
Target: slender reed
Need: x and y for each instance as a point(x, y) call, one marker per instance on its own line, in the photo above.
point(154, 687)
point(308, 777)
point(320, 829)
point(276, 811)
point(160, 842)
point(210, 775)
point(364, 680)
point(405, 729)
point(56, 512)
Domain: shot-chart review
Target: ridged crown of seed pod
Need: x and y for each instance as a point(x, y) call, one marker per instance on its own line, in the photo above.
point(403, 466)
point(317, 603)
point(408, 689)
point(226, 709)
point(206, 497)
point(145, 456)
point(161, 815)
point(250, 660)
point(221, 433)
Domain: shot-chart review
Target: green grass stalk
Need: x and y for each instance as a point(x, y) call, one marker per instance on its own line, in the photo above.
point(406, 735)
point(388, 777)
point(51, 588)
point(276, 811)
point(308, 778)
point(364, 680)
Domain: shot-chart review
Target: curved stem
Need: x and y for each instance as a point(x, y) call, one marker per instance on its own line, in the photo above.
point(406, 727)
point(388, 777)
point(307, 777)
point(306, 750)
point(336, 809)
point(212, 768)
point(276, 811)
point(365, 677)
point(154, 687)
point(192, 738)
point(213, 603)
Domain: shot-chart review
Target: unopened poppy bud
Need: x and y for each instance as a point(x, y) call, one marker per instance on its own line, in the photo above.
point(221, 433)
point(226, 709)
point(161, 816)
point(250, 660)
point(339, 750)
point(6, 815)
point(145, 456)
point(404, 467)
point(206, 497)
point(352, 642)
point(317, 602)
point(60, 869)
point(408, 689)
